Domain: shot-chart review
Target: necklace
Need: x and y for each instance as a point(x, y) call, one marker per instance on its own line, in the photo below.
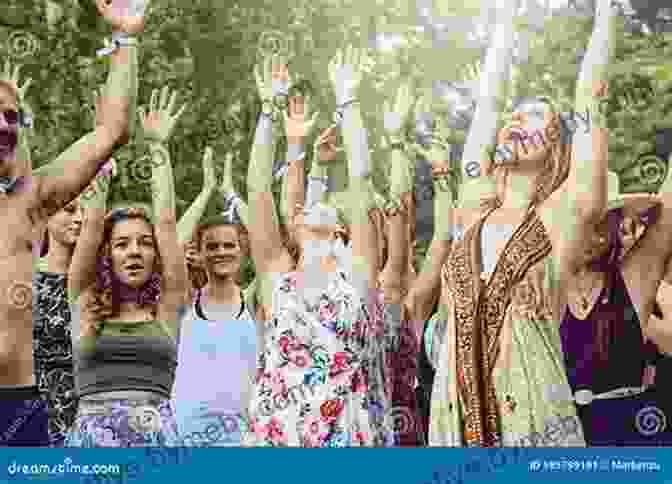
point(201, 314)
point(586, 283)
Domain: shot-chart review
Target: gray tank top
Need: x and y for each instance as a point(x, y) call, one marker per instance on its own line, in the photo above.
point(127, 362)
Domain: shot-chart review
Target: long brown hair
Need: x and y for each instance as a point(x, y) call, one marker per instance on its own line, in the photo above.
point(104, 300)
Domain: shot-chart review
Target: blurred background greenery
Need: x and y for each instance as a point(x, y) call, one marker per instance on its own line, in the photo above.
point(207, 49)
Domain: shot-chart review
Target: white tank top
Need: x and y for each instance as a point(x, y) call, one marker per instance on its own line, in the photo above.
point(216, 363)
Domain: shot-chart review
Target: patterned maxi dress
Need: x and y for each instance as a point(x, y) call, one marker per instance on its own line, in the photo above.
point(320, 381)
point(52, 351)
point(501, 378)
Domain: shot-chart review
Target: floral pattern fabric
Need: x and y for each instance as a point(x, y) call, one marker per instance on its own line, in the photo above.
point(320, 381)
point(124, 423)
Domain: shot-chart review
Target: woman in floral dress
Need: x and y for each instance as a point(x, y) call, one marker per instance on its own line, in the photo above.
point(320, 376)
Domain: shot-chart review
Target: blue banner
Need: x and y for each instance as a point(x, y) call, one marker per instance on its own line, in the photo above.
point(391, 466)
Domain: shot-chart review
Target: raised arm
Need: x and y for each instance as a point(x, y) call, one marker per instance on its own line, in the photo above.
point(345, 74)
point(402, 177)
point(582, 201)
point(82, 271)
point(298, 126)
point(186, 227)
point(426, 289)
point(492, 88)
point(231, 199)
point(268, 252)
point(158, 125)
point(58, 183)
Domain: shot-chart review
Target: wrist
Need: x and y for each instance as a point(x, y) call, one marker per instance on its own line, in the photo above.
point(295, 150)
point(344, 107)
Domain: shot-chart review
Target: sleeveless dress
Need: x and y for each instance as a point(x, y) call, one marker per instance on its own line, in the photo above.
point(217, 362)
point(628, 362)
point(401, 371)
point(52, 350)
point(320, 382)
point(490, 391)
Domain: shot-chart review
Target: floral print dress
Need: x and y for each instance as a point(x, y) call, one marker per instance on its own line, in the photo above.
point(320, 381)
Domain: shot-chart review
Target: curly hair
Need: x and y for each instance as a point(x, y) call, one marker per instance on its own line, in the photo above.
point(108, 292)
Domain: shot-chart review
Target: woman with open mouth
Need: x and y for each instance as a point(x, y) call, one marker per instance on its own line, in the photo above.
point(505, 277)
point(128, 291)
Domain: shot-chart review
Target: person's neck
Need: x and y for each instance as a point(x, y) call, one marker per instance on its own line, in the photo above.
point(327, 263)
point(222, 290)
point(517, 190)
point(58, 258)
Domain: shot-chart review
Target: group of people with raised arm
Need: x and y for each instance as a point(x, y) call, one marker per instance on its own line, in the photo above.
point(543, 303)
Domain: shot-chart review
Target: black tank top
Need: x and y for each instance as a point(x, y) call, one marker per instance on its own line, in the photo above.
point(607, 350)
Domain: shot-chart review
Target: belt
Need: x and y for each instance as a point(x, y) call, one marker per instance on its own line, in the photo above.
point(586, 397)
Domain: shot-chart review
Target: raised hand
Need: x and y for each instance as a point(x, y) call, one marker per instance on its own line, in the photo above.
point(124, 15)
point(209, 175)
point(159, 123)
point(395, 117)
point(273, 80)
point(298, 123)
point(325, 146)
point(438, 153)
point(227, 180)
point(345, 73)
point(11, 76)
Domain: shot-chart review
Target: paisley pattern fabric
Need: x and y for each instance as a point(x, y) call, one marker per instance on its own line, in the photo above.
point(320, 381)
point(501, 354)
point(124, 423)
point(401, 370)
point(52, 352)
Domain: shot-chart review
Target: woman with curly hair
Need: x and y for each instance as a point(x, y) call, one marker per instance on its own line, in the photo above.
point(128, 292)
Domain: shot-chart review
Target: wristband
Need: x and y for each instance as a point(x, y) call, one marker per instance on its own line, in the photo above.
point(119, 39)
point(323, 180)
point(340, 110)
point(26, 119)
point(295, 152)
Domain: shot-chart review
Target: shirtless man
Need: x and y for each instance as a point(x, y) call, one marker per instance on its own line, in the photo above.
point(25, 208)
